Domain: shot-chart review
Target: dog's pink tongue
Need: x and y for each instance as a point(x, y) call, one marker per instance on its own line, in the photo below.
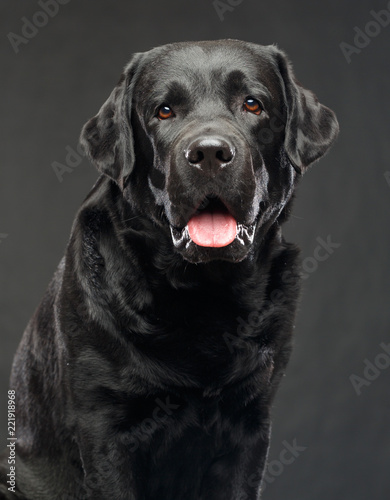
point(212, 229)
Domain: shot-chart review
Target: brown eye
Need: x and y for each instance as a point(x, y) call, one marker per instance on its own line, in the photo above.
point(165, 112)
point(252, 105)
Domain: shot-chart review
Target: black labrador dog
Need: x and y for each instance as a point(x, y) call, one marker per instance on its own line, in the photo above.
point(149, 368)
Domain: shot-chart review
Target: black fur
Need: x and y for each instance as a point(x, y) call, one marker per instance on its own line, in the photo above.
point(149, 369)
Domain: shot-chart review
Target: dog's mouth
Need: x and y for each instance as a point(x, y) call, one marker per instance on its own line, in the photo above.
point(214, 227)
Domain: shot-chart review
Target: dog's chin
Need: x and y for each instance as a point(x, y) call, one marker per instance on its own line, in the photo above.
point(236, 251)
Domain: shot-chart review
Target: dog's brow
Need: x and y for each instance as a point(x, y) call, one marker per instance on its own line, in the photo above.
point(177, 93)
point(237, 82)
point(259, 90)
point(172, 92)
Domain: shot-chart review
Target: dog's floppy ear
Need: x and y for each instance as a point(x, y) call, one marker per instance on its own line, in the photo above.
point(311, 127)
point(107, 138)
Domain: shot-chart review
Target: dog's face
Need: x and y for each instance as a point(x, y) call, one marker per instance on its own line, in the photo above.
point(207, 139)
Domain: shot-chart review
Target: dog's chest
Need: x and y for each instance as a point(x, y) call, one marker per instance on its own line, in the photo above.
point(201, 431)
point(206, 334)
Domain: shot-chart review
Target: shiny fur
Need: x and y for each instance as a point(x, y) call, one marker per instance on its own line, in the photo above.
point(149, 369)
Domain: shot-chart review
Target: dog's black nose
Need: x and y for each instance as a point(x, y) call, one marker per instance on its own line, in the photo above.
point(210, 153)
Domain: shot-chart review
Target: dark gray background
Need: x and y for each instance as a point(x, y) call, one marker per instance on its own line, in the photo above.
point(62, 76)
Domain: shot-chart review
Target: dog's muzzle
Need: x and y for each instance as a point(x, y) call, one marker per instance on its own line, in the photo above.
point(211, 190)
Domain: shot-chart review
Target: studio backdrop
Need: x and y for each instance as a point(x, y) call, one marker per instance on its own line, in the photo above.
point(59, 62)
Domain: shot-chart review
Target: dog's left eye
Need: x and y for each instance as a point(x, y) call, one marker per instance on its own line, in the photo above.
point(164, 112)
point(252, 105)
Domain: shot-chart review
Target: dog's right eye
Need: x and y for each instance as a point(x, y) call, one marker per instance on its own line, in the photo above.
point(164, 112)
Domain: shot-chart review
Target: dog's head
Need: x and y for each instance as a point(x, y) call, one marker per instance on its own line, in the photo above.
point(208, 139)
